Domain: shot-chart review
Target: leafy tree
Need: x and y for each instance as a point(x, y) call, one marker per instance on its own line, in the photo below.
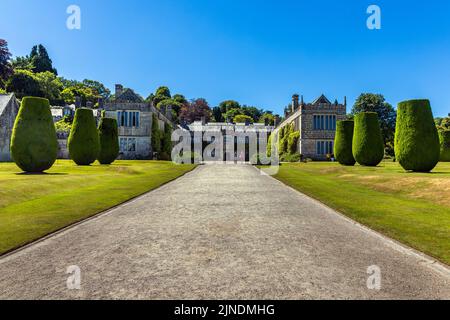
point(242, 118)
point(180, 99)
point(50, 86)
point(270, 118)
point(228, 105)
point(369, 102)
point(5, 65)
point(23, 63)
point(86, 94)
point(161, 94)
point(442, 123)
point(217, 114)
point(195, 110)
point(97, 87)
point(232, 113)
point(41, 60)
point(252, 112)
point(24, 83)
point(174, 105)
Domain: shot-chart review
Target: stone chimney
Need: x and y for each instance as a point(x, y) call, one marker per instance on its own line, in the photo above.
point(119, 90)
point(77, 103)
point(295, 103)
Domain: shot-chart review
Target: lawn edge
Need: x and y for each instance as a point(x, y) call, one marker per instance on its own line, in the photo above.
point(107, 211)
point(430, 261)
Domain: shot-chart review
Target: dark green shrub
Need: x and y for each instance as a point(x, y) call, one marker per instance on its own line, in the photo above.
point(84, 144)
point(156, 135)
point(293, 157)
point(368, 145)
point(293, 142)
point(444, 138)
point(109, 141)
point(269, 146)
point(416, 138)
point(166, 148)
point(343, 144)
point(34, 146)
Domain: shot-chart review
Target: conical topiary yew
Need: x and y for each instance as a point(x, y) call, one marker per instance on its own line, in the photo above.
point(417, 145)
point(368, 145)
point(109, 141)
point(444, 137)
point(34, 146)
point(343, 145)
point(84, 144)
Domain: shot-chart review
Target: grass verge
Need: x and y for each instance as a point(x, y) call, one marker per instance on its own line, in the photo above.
point(413, 208)
point(33, 206)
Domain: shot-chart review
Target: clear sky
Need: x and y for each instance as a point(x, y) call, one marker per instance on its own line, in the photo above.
point(256, 52)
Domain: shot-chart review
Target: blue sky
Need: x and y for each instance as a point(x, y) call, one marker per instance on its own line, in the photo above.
point(256, 52)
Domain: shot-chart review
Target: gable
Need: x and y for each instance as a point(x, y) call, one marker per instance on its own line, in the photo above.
point(322, 100)
point(129, 95)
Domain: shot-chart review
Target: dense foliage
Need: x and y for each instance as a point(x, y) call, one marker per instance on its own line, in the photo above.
point(33, 144)
point(83, 143)
point(343, 144)
point(369, 102)
point(444, 139)
point(368, 147)
point(156, 135)
point(109, 141)
point(417, 145)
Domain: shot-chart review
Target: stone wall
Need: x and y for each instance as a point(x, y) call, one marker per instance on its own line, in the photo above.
point(7, 119)
point(303, 120)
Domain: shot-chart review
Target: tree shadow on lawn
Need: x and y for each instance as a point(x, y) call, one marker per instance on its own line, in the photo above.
point(40, 174)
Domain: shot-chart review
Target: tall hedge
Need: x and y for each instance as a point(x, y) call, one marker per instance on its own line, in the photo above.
point(343, 144)
point(368, 145)
point(109, 140)
point(156, 135)
point(34, 146)
point(293, 142)
point(166, 143)
point(444, 138)
point(417, 145)
point(84, 143)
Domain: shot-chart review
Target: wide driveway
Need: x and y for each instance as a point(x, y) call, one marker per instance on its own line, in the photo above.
point(221, 232)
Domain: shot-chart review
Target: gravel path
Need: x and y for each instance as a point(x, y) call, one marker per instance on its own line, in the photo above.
point(220, 232)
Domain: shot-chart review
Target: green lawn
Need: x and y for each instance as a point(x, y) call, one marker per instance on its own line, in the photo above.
point(410, 207)
point(32, 206)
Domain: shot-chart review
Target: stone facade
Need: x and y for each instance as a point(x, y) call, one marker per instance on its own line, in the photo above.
point(9, 108)
point(134, 117)
point(316, 122)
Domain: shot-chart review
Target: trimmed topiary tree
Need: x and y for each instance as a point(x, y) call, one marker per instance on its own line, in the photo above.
point(84, 144)
point(444, 138)
point(34, 146)
point(109, 141)
point(417, 145)
point(368, 145)
point(343, 144)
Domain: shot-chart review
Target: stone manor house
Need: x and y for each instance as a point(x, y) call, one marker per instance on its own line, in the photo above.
point(316, 122)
